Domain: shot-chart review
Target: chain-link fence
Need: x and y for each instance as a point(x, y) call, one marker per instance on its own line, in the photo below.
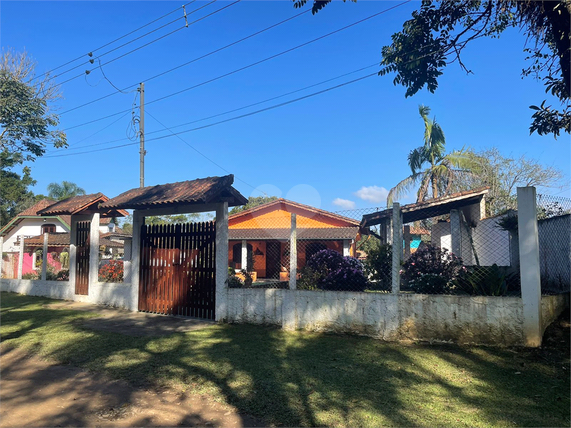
point(554, 231)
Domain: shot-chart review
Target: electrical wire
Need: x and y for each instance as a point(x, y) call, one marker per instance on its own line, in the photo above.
point(113, 41)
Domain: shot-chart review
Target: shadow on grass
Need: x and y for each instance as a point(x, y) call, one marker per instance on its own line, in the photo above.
point(309, 379)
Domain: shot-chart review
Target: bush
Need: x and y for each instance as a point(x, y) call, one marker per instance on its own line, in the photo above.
point(62, 275)
point(487, 281)
point(378, 266)
point(432, 270)
point(30, 275)
point(329, 270)
point(111, 271)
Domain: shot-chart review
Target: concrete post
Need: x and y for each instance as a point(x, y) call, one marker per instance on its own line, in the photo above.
point(1, 258)
point(244, 261)
point(529, 265)
point(21, 257)
point(127, 269)
point(221, 261)
point(346, 247)
point(45, 258)
point(293, 253)
point(138, 222)
point(397, 246)
point(456, 232)
point(93, 252)
point(72, 251)
point(407, 239)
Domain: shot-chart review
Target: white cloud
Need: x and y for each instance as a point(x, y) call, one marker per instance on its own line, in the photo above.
point(344, 203)
point(373, 194)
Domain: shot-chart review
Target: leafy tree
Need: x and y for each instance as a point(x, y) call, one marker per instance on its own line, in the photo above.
point(14, 194)
point(64, 190)
point(439, 31)
point(504, 175)
point(438, 177)
point(254, 201)
point(26, 117)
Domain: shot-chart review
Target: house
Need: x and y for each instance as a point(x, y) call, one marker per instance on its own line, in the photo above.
point(264, 231)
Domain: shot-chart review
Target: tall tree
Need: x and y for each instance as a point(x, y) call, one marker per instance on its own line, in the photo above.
point(435, 179)
point(439, 31)
point(14, 193)
point(254, 201)
point(64, 190)
point(27, 119)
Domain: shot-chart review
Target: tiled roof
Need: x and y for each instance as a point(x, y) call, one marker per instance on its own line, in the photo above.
point(54, 240)
point(419, 231)
point(40, 205)
point(329, 233)
point(202, 190)
point(73, 204)
point(33, 212)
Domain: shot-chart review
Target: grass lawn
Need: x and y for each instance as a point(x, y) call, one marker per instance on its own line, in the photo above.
point(301, 378)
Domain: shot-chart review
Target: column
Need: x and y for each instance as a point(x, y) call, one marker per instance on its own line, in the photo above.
point(407, 239)
point(397, 246)
point(138, 222)
point(244, 261)
point(72, 251)
point(45, 258)
point(93, 252)
point(21, 257)
point(221, 261)
point(346, 247)
point(529, 265)
point(293, 253)
point(456, 232)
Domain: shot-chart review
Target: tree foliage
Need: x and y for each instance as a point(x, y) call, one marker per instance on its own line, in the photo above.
point(437, 178)
point(64, 190)
point(439, 31)
point(27, 120)
point(254, 201)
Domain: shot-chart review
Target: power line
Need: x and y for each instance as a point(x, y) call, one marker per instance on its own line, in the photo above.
point(191, 61)
point(155, 40)
point(115, 40)
point(254, 63)
point(200, 153)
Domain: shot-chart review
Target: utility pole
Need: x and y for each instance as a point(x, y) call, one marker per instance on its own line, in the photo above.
point(142, 151)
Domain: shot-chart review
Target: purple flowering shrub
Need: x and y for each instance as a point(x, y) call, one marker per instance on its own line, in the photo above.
point(329, 270)
point(432, 270)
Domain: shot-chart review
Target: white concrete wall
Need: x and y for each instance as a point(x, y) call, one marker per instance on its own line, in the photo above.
point(117, 295)
point(461, 319)
point(552, 307)
point(29, 227)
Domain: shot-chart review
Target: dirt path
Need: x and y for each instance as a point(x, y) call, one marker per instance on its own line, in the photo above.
point(34, 392)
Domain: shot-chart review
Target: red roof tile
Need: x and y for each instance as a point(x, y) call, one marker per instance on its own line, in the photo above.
point(40, 205)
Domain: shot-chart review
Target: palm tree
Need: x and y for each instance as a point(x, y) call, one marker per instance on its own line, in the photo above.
point(442, 168)
point(65, 190)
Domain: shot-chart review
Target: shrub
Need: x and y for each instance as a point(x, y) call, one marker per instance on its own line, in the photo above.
point(111, 271)
point(378, 266)
point(62, 275)
point(432, 270)
point(329, 270)
point(233, 281)
point(30, 275)
point(487, 281)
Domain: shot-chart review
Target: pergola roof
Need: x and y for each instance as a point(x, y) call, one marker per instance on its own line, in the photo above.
point(84, 204)
point(430, 208)
point(200, 191)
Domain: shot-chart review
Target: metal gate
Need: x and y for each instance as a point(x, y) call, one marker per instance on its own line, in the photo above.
point(82, 257)
point(177, 269)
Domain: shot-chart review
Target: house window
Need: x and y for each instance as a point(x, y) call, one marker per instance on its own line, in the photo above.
point(48, 228)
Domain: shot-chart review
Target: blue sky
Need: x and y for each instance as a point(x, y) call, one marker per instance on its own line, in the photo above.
point(314, 151)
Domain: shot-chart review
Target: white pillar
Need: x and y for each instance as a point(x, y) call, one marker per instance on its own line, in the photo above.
point(221, 261)
point(244, 261)
point(1, 258)
point(456, 232)
point(407, 239)
point(72, 252)
point(45, 258)
point(397, 246)
point(93, 252)
point(529, 265)
point(346, 247)
point(138, 222)
point(21, 257)
point(127, 269)
point(293, 253)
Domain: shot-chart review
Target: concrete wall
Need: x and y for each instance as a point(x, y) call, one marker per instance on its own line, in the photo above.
point(461, 319)
point(118, 295)
point(552, 307)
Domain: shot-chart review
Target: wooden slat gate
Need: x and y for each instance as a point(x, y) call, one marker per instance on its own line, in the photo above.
point(177, 269)
point(82, 257)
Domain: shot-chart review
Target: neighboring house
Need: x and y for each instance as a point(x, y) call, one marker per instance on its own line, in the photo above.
point(265, 232)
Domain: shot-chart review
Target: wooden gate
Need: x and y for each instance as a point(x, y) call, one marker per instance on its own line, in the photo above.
point(177, 269)
point(82, 257)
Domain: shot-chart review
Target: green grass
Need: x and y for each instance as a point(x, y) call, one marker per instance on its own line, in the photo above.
point(314, 379)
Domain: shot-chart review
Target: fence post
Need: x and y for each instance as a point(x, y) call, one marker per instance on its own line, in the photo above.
point(529, 265)
point(45, 258)
point(293, 253)
point(93, 252)
point(244, 261)
point(21, 257)
point(1, 255)
point(456, 232)
point(407, 239)
point(397, 246)
point(221, 263)
point(138, 222)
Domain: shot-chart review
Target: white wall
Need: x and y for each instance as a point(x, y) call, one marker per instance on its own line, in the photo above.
point(461, 319)
point(29, 227)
